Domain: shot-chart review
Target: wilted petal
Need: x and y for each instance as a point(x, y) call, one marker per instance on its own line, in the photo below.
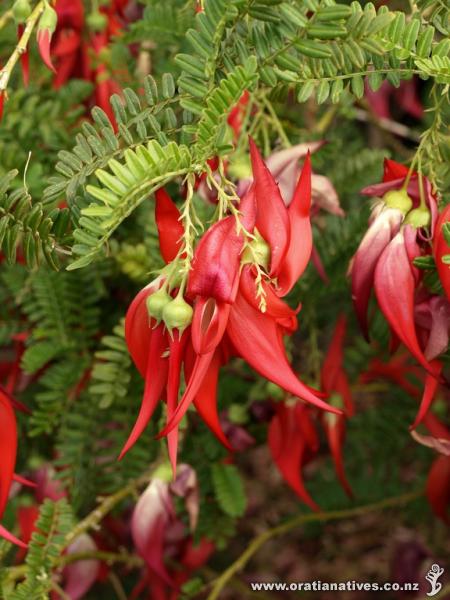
point(152, 515)
point(324, 195)
point(186, 486)
point(81, 575)
point(441, 445)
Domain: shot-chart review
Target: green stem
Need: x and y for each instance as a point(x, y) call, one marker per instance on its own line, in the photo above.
point(323, 517)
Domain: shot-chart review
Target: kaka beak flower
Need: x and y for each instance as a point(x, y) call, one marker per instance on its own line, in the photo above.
point(438, 481)
point(46, 27)
point(81, 575)
point(335, 382)
point(441, 248)
point(293, 441)
point(241, 268)
point(8, 450)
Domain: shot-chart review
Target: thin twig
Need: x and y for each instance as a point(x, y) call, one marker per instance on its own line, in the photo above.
point(260, 540)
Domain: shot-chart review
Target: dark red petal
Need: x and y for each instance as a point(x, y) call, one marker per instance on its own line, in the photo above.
point(44, 38)
point(8, 449)
point(138, 329)
point(300, 246)
point(2, 103)
point(429, 392)
point(318, 264)
point(155, 382)
point(201, 366)
point(205, 401)
point(393, 170)
point(332, 364)
point(335, 430)
point(438, 488)
point(208, 324)
point(256, 337)
point(287, 448)
point(170, 228)
point(272, 219)
point(215, 268)
point(394, 289)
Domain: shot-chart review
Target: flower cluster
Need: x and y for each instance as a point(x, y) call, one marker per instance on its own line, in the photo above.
point(229, 303)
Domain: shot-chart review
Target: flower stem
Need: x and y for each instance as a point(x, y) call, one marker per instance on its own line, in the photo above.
point(322, 517)
point(21, 47)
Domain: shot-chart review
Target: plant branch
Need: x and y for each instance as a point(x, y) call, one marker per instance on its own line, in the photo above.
point(322, 517)
point(21, 47)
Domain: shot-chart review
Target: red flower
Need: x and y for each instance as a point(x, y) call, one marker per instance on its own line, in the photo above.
point(293, 442)
point(237, 306)
point(441, 249)
point(336, 384)
point(8, 450)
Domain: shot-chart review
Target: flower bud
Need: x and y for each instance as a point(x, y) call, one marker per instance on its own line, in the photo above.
point(156, 303)
point(177, 314)
point(21, 11)
point(398, 199)
point(97, 21)
point(48, 20)
point(419, 217)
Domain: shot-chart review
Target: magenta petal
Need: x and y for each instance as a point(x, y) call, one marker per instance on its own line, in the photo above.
point(365, 260)
point(80, 576)
point(152, 515)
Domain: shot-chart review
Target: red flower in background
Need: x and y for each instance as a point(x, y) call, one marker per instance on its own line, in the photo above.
point(441, 249)
point(8, 451)
point(384, 262)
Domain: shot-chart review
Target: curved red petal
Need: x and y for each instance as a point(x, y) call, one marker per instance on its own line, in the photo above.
point(272, 219)
point(155, 382)
point(256, 337)
point(440, 249)
point(300, 246)
point(394, 288)
point(44, 38)
point(287, 448)
point(8, 449)
point(170, 228)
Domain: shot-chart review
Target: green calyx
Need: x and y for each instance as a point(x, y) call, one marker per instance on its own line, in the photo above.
point(419, 217)
point(97, 21)
point(21, 11)
point(257, 251)
point(48, 20)
point(398, 199)
point(177, 314)
point(156, 302)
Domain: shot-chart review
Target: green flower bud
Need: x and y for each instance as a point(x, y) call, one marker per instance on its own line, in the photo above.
point(398, 199)
point(48, 20)
point(419, 217)
point(97, 21)
point(156, 303)
point(21, 11)
point(177, 314)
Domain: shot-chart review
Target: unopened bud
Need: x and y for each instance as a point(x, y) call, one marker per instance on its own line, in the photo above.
point(177, 314)
point(419, 217)
point(398, 199)
point(97, 21)
point(156, 303)
point(48, 20)
point(21, 11)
